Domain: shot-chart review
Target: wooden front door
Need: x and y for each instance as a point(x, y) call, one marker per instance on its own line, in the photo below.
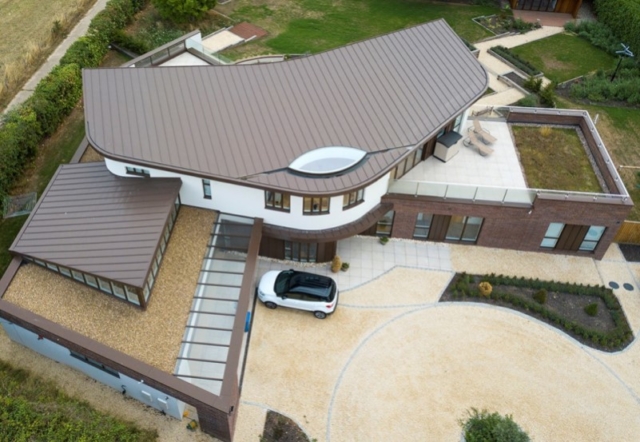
point(439, 227)
point(571, 237)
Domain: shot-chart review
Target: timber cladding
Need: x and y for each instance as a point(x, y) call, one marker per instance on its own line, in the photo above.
point(510, 227)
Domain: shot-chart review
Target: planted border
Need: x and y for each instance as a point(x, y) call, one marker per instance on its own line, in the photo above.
point(24, 127)
point(463, 287)
point(510, 58)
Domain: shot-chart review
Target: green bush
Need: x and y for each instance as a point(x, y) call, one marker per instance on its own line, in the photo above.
point(623, 17)
point(533, 84)
point(530, 100)
point(599, 87)
point(482, 426)
point(85, 52)
point(182, 11)
point(540, 296)
point(515, 60)
point(548, 95)
point(596, 33)
point(591, 309)
point(55, 97)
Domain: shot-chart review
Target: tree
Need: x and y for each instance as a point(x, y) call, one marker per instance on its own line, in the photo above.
point(181, 11)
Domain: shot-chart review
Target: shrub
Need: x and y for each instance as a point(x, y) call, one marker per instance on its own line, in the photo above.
point(182, 11)
point(485, 288)
point(345, 266)
point(591, 309)
point(85, 52)
point(548, 95)
point(533, 84)
point(482, 426)
point(596, 33)
point(336, 264)
point(530, 100)
point(540, 296)
point(623, 17)
point(515, 60)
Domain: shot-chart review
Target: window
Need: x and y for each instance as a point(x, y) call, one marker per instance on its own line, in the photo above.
point(91, 280)
point(118, 290)
point(423, 224)
point(146, 292)
point(77, 276)
point(137, 171)
point(206, 189)
point(553, 234)
point(352, 199)
point(316, 205)
point(277, 201)
point(132, 296)
point(65, 271)
point(301, 252)
point(592, 238)
point(52, 267)
point(464, 228)
point(457, 125)
point(384, 225)
point(95, 364)
point(104, 285)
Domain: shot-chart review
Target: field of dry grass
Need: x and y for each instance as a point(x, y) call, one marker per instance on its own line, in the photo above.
point(28, 34)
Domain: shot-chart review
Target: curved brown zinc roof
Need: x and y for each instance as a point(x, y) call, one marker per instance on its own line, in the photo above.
point(236, 122)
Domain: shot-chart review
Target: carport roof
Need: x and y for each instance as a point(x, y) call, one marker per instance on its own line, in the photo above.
point(95, 222)
point(246, 123)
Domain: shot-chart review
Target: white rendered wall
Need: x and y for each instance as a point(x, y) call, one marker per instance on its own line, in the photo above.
point(248, 201)
point(133, 387)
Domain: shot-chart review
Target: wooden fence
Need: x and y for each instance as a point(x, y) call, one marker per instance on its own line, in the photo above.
point(629, 233)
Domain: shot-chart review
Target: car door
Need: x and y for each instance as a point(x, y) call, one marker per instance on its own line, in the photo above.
point(293, 299)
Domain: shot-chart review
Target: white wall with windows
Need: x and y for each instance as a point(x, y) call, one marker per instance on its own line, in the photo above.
point(248, 201)
point(101, 373)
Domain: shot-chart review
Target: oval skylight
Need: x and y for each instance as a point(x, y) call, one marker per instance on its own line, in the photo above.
point(327, 160)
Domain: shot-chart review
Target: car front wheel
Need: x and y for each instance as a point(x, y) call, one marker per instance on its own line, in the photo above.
point(320, 315)
point(270, 305)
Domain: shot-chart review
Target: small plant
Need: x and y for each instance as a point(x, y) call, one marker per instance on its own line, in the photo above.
point(533, 84)
point(545, 131)
point(483, 426)
point(344, 267)
point(540, 296)
point(548, 95)
point(485, 288)
point(384, 240)
point(591, 309)
point(336, 264)
point(192, 425)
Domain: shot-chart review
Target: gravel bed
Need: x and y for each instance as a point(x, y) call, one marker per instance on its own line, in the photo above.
point(152, 336)
point(90, 155)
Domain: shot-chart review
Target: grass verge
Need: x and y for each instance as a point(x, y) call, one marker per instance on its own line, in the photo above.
point(318, 25)
point(562, 57)
point(34, 409)
point(554, 158)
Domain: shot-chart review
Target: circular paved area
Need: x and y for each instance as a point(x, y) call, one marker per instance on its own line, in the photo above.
point(393, 364)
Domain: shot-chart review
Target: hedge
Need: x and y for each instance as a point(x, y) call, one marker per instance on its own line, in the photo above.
point(518, 62)
point(58, 93)
point(623, 17)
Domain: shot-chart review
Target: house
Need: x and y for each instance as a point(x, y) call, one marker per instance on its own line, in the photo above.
point(281, 160)
point(562, 6)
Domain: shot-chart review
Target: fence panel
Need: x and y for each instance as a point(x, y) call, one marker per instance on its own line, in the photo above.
point(629, 233)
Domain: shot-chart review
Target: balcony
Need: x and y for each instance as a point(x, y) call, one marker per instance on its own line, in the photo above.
point(499, 178)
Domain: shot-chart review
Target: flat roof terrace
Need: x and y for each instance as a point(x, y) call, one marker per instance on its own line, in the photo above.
point(152, 336)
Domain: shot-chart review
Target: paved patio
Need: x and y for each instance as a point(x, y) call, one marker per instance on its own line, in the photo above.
point(393, 364)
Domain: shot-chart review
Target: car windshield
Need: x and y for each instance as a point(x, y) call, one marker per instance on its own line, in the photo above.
point(318, 286)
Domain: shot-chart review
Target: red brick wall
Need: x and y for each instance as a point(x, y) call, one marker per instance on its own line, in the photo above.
point(514, 227)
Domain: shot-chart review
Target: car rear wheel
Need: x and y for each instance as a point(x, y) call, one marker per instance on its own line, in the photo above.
point(270, 305)
point(320, 315)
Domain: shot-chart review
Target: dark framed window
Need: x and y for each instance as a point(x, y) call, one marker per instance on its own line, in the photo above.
point(385, 224)
point(206, 189)
point(552, 235)
point(137, 171)
point(592, 238)
point(94, 363)
point(301, 252)
point(315, 205)
point(423, 225)
point(352, 199)
point(464, 228)
point(277, 201)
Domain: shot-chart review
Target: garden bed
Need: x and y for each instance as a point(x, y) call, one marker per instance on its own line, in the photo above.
point(279, 428)
point(564, 306)
point(502, 25)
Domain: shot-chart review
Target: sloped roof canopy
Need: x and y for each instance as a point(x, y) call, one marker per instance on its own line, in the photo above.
point(95, 222)
point(242, 122)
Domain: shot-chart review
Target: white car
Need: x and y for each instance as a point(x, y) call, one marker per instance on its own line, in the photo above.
point(299, 290)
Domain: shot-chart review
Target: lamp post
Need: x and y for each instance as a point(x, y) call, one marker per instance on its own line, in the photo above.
point(625, 51)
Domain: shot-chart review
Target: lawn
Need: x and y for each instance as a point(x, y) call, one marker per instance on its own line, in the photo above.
point(554, 158)
point(619, 128)
point(27, 37)
point(318, 25)
point(34, 409)
point(562, 57)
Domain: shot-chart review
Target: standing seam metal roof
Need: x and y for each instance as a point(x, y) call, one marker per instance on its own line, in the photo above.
point(239, 121)
point(95, 222)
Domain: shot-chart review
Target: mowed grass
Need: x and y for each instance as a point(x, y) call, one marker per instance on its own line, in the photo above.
point(319, 25)
point(27, 37)
point(554, 158)
point(34, 409)
point(562, 57)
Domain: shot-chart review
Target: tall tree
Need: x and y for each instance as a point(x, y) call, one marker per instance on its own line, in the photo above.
point(181, 11)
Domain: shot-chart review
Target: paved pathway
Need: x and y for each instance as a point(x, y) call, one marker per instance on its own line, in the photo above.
point(78, 31)
point(394, 364)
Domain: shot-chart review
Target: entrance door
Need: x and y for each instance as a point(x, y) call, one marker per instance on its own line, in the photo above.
point(439, 227)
